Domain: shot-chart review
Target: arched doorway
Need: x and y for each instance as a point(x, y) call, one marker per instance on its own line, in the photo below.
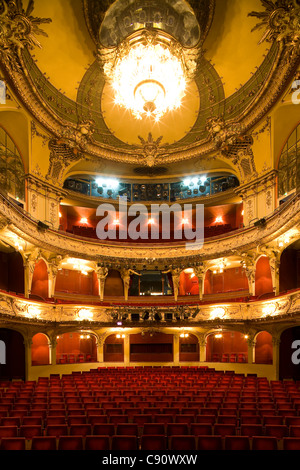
point(74, 347)
point(40, 351)
point(263, 277)
point(263, 348)
point(188, 348)
point(14, 366)
point(151, 347)
point(39, 284)
point(11, 271)
point(114, 348)
point(289, 272)
point(226, 346)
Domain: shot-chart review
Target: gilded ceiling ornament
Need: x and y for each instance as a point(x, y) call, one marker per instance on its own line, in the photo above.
point(281, 21)
point(150, 149)
point(222, 134)
point(61, 156)
point(18, 29)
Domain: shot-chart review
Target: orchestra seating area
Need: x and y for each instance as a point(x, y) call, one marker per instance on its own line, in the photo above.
point(152, 409)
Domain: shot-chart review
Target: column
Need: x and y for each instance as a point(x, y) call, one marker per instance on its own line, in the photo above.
point(176, 350)
point(251, 350)
point(29, 266)
point(276, 347)
point(250, 273)
point(200, 272)
point(52, 273)
point(274, 266)
point(100, 351)
point(27, 346)
point(202, 349)
point(101, 276)
point(52, 353)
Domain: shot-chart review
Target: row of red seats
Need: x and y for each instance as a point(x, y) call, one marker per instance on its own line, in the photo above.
point(150, 443)
point(170, 429)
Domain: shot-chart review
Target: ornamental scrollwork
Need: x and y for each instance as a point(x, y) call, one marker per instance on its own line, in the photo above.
point(281, 22)
point(150, 149)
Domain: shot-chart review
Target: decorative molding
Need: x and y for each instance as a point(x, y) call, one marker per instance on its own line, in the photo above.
point(281, 21)
point(282, 220)
point(269, 312)
point(150, 149)
point(19, 30)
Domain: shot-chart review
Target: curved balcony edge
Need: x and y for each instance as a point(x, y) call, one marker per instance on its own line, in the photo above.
point(14, 219)
point(17, 309)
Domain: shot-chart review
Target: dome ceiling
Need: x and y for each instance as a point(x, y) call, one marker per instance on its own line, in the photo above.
point(233, 69)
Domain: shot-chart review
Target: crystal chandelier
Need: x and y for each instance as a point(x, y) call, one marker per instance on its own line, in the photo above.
point(148, 74)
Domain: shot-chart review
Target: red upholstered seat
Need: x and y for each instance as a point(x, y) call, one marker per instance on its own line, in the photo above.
point(237, 443)
point(291, 443)
point(13, 443)
point(264, 443)
point(104, 429)
point(80, 429)
point(182, 443)
point(56, 430)
point(224, 429)
point(209, 443)
point(43, 443)
point(97, 443)
point(124, 443)
point(70, 443)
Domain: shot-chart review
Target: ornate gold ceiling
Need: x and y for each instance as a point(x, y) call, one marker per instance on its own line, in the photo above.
point(242, 70)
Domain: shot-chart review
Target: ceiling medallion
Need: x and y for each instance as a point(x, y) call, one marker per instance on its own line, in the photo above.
point(149, 72)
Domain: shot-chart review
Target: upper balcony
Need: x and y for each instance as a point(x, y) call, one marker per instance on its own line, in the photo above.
point(61, 242)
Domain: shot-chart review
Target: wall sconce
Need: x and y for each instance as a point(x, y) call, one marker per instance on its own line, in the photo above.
point(85, 336)
point(219, 220)
point(84, 220)
point(120, 336)
point(184, 335)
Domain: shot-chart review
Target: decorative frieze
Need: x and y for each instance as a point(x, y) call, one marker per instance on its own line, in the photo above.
point(268, 311)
